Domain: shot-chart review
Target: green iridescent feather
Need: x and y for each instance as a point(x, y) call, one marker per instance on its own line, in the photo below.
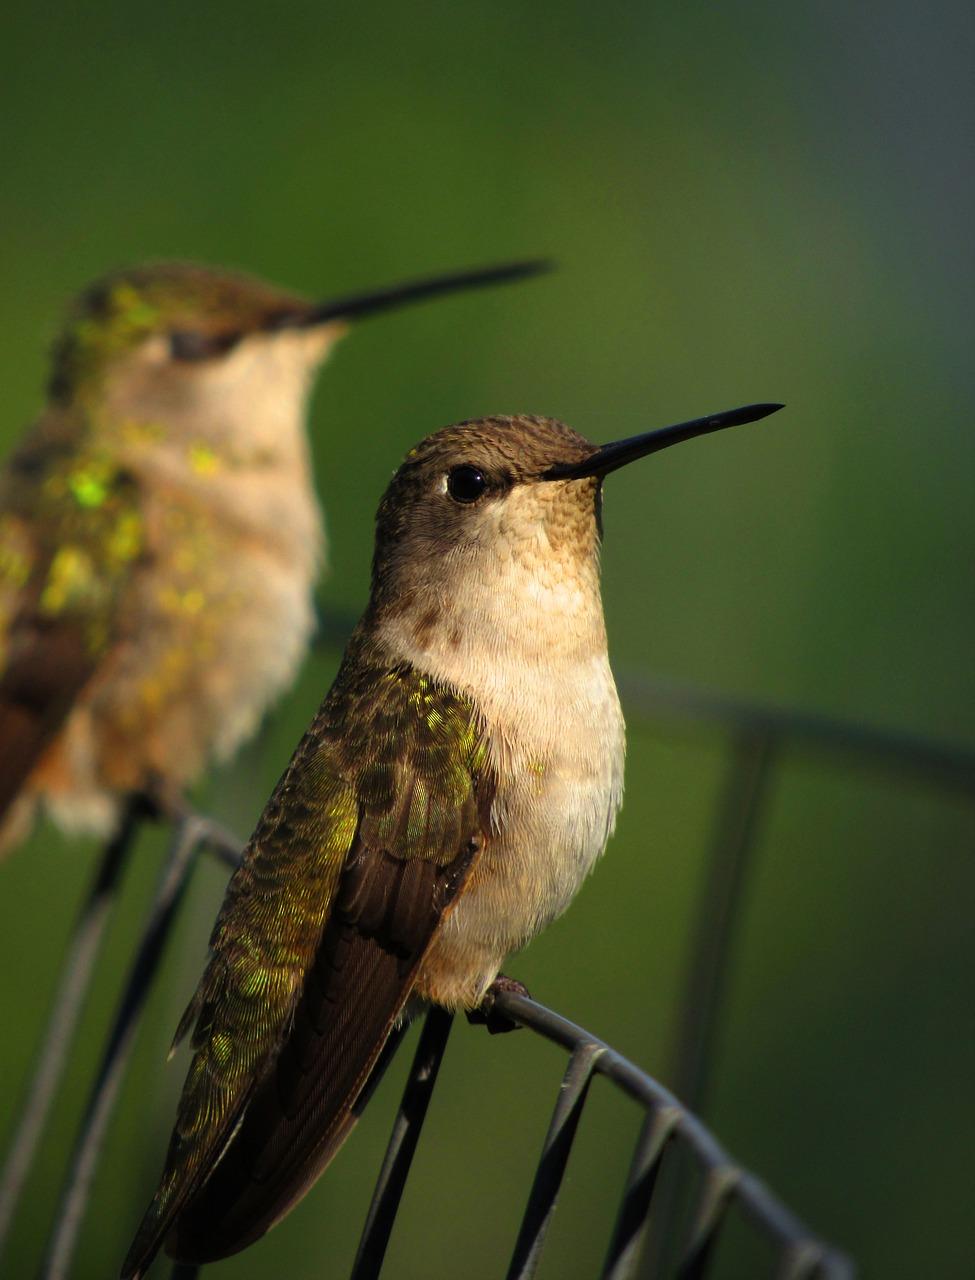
point(71, 532)
point(390, 768)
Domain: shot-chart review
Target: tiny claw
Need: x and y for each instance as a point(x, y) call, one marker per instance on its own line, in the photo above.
point(485, 1015)
point(159, 800)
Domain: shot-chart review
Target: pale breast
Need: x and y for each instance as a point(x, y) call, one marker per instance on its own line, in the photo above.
point(561, 785)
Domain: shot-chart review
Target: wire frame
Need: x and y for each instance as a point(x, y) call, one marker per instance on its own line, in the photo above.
point(756, 737)
point(724, 1183)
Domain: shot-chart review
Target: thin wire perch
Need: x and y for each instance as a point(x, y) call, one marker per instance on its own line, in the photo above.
point(802, 1255)
point(758, 737)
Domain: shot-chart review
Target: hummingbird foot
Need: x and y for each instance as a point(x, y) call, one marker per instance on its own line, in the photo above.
point(159, 800)
point(485, 1015)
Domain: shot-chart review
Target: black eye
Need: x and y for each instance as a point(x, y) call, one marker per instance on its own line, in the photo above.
point(465, 484)
point(190, 346)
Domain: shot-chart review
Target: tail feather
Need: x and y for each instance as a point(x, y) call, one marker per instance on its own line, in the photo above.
point(302, 1113)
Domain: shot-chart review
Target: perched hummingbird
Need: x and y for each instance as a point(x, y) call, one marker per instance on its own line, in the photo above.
point(160, 534)
point(460, 780)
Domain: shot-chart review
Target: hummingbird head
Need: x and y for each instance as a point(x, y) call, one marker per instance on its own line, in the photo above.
point(488, 540)
point(473, 497)
point(169, 335)
point(163, 316)
point(491, 496)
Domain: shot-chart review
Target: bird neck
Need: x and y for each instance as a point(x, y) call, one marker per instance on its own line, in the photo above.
point(526, 641)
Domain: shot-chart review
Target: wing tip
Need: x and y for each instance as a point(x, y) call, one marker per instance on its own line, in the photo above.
point(140, 1256)
point(150, 1236)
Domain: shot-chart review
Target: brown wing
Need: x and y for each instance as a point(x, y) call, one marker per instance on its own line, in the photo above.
point(361, 850)
point(49, 663)
point(385, 914)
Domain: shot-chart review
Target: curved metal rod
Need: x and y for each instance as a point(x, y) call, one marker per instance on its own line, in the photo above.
point(724, 1179)
point(709, 961)
point(802, 1255)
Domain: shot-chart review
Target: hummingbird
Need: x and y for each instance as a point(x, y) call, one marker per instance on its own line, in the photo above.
point(458, 783)
point(160, 535)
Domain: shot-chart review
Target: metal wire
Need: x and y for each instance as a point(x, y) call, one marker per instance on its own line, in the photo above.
point(632, 1221)
point(942, 764)
point(657, 699)
point(402, 1145)
point(555, 1157)
point(709, 961)
point(724, 1179)
point(589, 1056)
point(191, 833)
point(69, 998)
point(759, 735)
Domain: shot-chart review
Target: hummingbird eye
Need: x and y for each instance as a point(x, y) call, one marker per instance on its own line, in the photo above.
point(465, 483)
point(191, 346)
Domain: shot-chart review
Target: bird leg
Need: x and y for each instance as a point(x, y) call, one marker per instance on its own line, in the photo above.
point(160, 800)
point(485, 1015)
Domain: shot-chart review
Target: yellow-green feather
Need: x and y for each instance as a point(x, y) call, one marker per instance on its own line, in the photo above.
point(390, 763)
point(71, 532)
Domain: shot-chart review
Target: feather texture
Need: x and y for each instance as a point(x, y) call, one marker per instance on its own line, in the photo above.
point(364, 845)
point(70, 542)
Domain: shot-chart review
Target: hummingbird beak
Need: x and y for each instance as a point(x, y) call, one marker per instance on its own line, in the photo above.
point(609, 457)
point(371, 303)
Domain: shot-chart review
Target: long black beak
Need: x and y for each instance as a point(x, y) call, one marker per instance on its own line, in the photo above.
point(612, 456)
point(398, 295)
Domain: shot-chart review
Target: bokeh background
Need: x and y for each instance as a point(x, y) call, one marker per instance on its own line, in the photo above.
point(748, 201)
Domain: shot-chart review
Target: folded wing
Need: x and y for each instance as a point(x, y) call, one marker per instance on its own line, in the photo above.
point(70, 544)
point(366, 842)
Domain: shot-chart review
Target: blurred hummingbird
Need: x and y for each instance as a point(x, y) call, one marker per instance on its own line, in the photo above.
point(160, 535)
point(458, 783)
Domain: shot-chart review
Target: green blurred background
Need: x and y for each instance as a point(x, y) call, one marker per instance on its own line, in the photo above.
point(748, 201)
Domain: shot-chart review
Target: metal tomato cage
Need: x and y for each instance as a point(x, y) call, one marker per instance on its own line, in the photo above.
point(755, 739)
